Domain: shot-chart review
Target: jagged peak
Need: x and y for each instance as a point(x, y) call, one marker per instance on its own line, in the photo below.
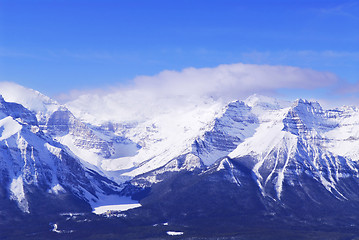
point(238, 111)
point(237, 104)
point(311, 106)
point(308, 117)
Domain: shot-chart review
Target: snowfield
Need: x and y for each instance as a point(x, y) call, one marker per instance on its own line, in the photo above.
point(173, 233)
point(113, 203)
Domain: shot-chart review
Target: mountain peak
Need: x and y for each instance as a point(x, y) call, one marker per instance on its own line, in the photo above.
point(29, 98)
point(310, 106)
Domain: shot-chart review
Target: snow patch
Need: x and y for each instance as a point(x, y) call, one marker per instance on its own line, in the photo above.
point(54, 150)
point(18, 194)
point(8, 127)
point(84, 154)
point(173, 233)
point(119, 207)
point(56, 230)
point(113, 203)
point(56, 189)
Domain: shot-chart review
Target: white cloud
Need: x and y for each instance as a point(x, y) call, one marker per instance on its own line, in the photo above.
point(168, 90)
point(233, 81)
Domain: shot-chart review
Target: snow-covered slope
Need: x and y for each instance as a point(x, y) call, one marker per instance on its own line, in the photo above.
point(40, 104)
point(202, 129)
point(259, 159)
point(34, 166)
point(295, 141)
point(56, 121)
point(283, 140)
point(274, 161)
point(162, 132)
point(280, 141)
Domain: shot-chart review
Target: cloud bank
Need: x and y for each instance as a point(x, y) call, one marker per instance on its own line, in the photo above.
point(179, 89)
point(233, 81)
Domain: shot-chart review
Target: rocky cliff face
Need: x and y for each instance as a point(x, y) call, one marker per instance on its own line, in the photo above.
point(228, 131)
point(62, 123)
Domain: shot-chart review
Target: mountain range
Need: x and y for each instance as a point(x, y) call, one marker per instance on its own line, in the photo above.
point(189, 167)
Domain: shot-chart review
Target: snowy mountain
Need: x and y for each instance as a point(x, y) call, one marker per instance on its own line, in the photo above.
point(39, 174)
point(56, 121)
point(298, 141)
point(287, 147)
point(197, 133)
point(184, 159)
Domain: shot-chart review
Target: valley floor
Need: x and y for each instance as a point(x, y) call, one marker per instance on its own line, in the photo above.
point(119, 226)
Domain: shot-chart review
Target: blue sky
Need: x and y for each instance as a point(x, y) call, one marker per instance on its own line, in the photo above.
point(60, 45)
